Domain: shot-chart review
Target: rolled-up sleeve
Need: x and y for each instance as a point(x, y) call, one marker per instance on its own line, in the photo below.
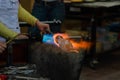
point(26, 16)
point(5, 32)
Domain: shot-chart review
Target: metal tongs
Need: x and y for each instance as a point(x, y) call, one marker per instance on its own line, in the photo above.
point(27, 69)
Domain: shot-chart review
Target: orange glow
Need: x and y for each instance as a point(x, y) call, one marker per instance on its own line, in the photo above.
point(76, 44)
point(81, 44)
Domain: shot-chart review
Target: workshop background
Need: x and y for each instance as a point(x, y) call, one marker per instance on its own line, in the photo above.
point(107, 41)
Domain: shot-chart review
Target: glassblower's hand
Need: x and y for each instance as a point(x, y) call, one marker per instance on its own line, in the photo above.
point(2, 46)
point(43, 27)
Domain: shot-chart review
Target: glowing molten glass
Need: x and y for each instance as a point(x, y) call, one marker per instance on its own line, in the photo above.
point(69, 44)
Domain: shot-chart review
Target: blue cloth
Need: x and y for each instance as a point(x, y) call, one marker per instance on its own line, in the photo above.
point(48, 12)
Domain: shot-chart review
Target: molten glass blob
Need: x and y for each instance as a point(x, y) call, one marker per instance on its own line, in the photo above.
point(65, 44)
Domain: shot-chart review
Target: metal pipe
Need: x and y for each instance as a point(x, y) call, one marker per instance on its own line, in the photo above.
point(47, 22)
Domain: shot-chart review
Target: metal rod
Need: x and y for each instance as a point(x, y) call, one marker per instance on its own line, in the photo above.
point(15, 37)
point(47, 22)
point(11, 39)
point(24, 77)
point(75, 36)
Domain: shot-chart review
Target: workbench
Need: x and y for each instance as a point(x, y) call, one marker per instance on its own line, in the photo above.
point(94, 13)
